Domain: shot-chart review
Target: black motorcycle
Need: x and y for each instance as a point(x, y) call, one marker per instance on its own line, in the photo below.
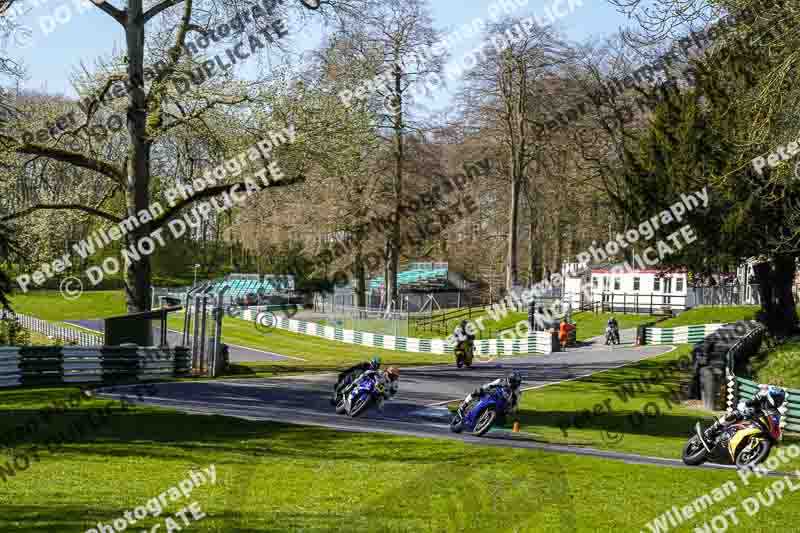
point(612, 335)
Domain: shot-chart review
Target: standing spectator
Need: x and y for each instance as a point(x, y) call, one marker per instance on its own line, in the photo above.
point(563, 335)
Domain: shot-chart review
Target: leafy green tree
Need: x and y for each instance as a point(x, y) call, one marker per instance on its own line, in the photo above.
point(695, 141)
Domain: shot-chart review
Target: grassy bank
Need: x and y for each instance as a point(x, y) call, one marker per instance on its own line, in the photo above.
point(781, 366)
point(273, 477)
point(51, 305)
point(633, 409)
point(712, 315)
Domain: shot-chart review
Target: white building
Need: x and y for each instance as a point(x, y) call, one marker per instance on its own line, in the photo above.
point(644, 291)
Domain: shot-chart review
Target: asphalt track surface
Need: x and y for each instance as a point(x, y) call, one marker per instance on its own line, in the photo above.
point(237, 354)
point(418, 409)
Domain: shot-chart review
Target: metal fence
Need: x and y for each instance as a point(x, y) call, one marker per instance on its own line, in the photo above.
point(363, 319)
point(63, 333)
point(729, 295)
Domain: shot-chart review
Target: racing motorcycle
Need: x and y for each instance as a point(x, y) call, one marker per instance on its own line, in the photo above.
point(612, 335)
point(744, 443)
point(355, 400)
point(464, 352)
point(482, 413)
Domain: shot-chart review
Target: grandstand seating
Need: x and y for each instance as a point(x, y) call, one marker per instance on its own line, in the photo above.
point(420, 276)
point(240, 288)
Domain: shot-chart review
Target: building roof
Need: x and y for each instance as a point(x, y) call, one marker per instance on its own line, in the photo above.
point(607, 267)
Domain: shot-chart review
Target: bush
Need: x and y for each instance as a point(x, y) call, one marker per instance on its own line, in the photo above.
point(12, 333)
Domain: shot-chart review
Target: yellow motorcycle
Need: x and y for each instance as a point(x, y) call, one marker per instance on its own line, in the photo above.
point(744, 444)
point(465, 352)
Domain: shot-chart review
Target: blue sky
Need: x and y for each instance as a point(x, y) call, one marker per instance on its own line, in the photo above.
point(57, 49)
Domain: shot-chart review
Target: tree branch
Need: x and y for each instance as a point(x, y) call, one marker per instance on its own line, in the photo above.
point(75, 207)
point(65, 156)
point(155, 10)
point(119, 15)
point(215, 191)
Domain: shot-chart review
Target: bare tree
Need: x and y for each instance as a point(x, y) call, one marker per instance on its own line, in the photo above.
point(152, 112)
point(502, 89)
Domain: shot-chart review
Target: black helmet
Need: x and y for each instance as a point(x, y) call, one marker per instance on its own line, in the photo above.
point(514, 379)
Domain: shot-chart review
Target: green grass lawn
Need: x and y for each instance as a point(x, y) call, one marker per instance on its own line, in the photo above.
point(781, 366)
point(319, 354)
point(273, 477)
point(51, 305)
point(594, 324)
point(634, 414)
point(711, 315)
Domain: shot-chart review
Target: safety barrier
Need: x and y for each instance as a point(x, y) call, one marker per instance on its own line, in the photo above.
point(51, 365)
point(59, 332)
point(680, 334)
point(743, 389)
point(538, 342)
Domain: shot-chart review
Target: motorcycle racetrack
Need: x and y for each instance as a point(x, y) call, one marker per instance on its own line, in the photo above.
point(419, 408)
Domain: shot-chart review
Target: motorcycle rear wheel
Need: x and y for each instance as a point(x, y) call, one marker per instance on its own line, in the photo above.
point(694, 453)
point(754, 456)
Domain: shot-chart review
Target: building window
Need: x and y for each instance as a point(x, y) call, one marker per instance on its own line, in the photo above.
point(636, 284)
point(616, 284)
point(594, 283)
point(679, 285)
point(656, 284)
point(605, 283)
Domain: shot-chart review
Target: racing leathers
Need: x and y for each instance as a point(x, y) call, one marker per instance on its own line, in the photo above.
point(746, 411)
point(512, 393)
point(388, 387)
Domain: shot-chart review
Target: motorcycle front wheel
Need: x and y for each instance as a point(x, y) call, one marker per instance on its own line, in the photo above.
point(485, 421)
point(457, 423)
point(753, 456)
point(694, 453)
point(359, 405)
point(340, 406)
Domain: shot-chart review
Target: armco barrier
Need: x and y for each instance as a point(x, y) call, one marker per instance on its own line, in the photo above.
point(538, 342)
point(51, 365)
point(744, 389)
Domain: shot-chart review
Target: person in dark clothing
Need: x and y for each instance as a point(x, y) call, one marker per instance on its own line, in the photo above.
point(348, 376)
point(767, 400)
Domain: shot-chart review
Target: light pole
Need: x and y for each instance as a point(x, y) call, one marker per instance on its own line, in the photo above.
point(196, 266)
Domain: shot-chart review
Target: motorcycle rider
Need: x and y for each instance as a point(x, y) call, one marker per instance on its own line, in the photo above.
point(613, 328)
point(510, 385)
point(346, 377)
point(767, 400)
point(461, 333)
point(387, 378)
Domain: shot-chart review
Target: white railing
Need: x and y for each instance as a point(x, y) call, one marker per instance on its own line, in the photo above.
point(59, 332)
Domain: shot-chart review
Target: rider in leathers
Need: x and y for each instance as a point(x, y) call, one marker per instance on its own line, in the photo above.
point(767, 400)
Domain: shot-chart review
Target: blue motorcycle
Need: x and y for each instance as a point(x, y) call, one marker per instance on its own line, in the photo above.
point(481, 414)
point(360, 395)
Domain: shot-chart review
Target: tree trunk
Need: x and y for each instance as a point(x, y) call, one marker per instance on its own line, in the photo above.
point(394, 239)
point(138, 273)
point(361, 278)
point(775, 281)
point(513, 216)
